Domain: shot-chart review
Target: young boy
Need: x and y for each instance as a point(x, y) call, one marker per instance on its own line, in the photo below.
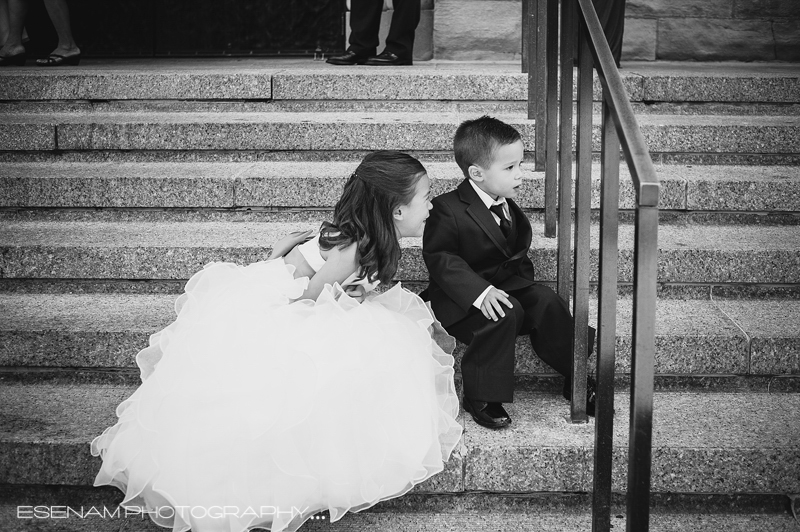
point(481, 287)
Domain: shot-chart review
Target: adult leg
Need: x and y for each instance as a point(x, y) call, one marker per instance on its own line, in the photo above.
point(59, 14)
point(612, 16)
point(365, 21)
point(17, 9)
point(487, 367)
point(4, 27)
point(405, 20)
point(550, 325)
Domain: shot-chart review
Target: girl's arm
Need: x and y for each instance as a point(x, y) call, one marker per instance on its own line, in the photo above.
point(339, 265)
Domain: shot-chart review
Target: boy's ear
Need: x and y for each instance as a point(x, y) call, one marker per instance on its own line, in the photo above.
point(475, 173)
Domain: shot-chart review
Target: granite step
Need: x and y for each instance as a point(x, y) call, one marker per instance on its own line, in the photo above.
point(466, 107)
point(757, 338)
point(702, 443)
point(265, 79)
point(318, 184)
point(698, 254)
point(85, 509)
point(667, 134)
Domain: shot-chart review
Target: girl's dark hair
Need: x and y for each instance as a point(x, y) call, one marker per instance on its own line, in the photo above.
point(383, 181)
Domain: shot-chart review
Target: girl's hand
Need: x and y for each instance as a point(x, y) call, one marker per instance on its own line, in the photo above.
point(356, 291)
point(287, 243)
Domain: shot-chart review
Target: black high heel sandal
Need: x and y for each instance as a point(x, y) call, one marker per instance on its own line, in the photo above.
point(14, 60)
point(59, 60)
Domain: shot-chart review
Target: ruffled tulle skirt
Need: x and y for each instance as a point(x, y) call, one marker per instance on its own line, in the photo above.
point(259, 411)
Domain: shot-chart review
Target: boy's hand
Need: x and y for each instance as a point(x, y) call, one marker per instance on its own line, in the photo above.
point(492, 305)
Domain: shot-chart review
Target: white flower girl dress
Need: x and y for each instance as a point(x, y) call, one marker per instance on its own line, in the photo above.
point(256, 410)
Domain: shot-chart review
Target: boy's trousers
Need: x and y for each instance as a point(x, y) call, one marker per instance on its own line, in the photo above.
point(487, 367)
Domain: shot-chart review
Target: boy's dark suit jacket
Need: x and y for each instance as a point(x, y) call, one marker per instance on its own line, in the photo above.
point(465, 252)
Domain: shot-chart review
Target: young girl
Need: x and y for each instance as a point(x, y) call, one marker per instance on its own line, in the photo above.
point(277, 394)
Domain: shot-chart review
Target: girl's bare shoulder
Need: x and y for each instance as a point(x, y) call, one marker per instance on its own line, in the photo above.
point(346, 254)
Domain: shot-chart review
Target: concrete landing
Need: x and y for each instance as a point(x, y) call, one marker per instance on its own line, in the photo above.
point(423, 512)
point(378, 520)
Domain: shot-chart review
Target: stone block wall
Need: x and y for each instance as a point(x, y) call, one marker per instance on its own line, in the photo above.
point(473, 30)
point(681, 30)
point(712, 30)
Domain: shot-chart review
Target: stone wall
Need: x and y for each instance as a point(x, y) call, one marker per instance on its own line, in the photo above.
point(702, 30)
point(712, 30)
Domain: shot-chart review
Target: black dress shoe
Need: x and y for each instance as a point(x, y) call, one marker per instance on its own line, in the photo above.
point(591, 393)
point(347, 58)
point(489, 415)
point(14, 60)
point(387, 59)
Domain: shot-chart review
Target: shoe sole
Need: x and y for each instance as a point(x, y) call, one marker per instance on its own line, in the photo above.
point(389, 64)
point(14, 60)
point(346, 63)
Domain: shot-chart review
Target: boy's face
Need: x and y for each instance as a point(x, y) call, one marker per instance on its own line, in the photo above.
point(504, 176)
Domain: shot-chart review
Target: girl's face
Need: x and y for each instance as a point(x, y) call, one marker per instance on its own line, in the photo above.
point(409, 219)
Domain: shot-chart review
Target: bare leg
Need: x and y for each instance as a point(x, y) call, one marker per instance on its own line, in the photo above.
point(4, 27)
point(16, 10)
point(59, 14)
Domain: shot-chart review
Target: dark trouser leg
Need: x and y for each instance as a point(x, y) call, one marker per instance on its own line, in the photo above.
point(549, 324)
point(365, 20)
point(488, 364)
point(405, 19)
point(612, 16)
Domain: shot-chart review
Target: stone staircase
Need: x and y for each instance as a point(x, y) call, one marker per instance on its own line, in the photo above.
point(118, 180)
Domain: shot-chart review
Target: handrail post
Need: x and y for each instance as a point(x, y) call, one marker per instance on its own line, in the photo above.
point(583, 197)
point(536, 23)
point(526, 36)
point(568, 34)
point(551, 138)
point(607, 323)
point(539, 26)
point(645, 268)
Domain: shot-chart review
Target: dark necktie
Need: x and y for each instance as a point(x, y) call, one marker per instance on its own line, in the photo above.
point(505, 225)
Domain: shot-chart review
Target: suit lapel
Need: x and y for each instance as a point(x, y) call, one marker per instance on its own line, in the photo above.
point(482, 216)
point(524, 230)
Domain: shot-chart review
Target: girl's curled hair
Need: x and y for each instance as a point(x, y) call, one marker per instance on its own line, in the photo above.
point(383, 181)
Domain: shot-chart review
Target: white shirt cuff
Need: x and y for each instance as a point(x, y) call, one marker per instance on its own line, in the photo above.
point(478, 302)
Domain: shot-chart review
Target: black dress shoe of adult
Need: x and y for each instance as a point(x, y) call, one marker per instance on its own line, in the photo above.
point(489, 415)
point(387, 59)
point(347, 58)
point(14, 60)
point(591, 394)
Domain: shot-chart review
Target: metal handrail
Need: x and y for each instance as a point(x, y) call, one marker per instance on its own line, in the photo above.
point(643, 172)
point(619, 129)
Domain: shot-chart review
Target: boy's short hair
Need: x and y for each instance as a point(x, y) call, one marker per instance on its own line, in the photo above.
point(476, 141)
